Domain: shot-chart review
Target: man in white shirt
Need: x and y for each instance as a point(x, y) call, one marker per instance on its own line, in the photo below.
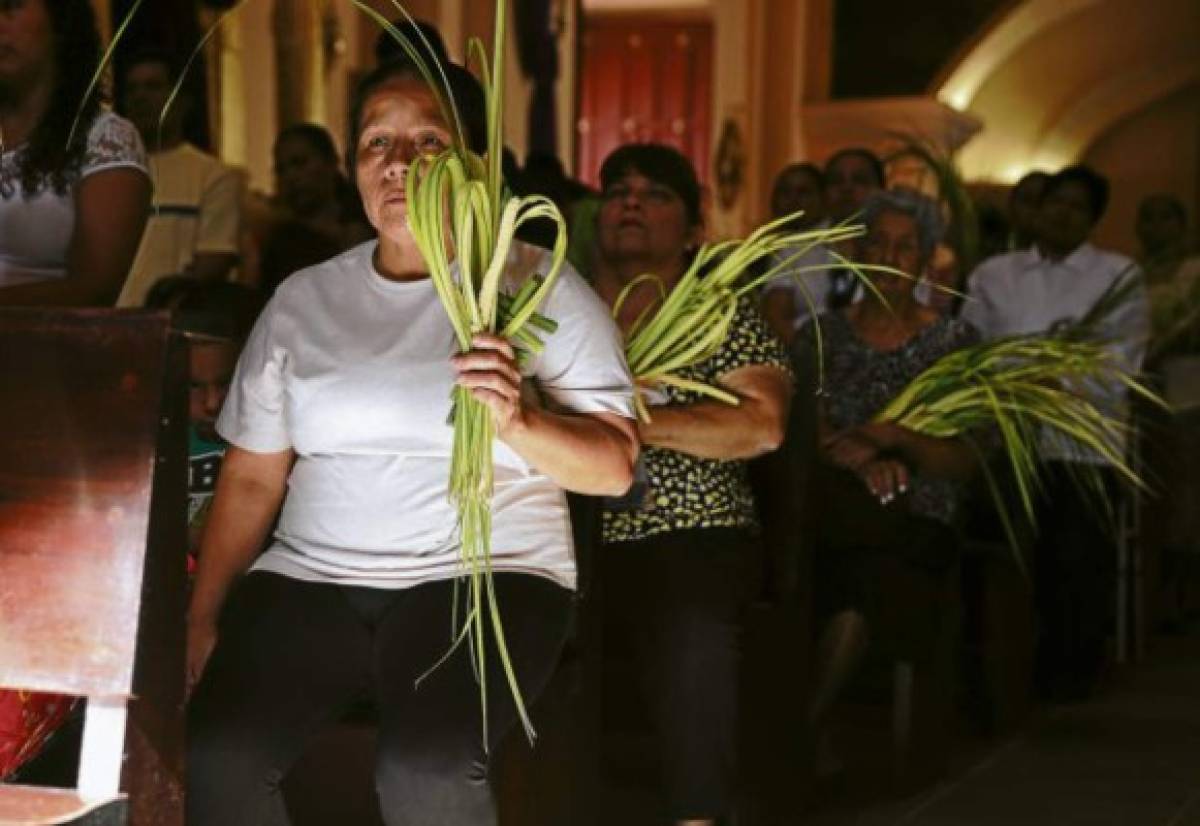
point(195, 218)
point(1056, 282)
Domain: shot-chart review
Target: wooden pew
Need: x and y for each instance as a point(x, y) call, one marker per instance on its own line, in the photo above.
point(93, 485)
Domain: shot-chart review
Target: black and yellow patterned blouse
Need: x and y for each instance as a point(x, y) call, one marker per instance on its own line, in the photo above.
point(684, 491)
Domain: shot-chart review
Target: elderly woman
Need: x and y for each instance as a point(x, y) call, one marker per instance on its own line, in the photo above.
point(338, 411)
point(888, 494)
point(673, 571)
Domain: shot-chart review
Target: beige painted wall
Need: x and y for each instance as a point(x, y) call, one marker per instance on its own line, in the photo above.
point(1156, 150)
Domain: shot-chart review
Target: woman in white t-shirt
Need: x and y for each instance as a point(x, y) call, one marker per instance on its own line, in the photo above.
point(340, 401)
point(71, 211)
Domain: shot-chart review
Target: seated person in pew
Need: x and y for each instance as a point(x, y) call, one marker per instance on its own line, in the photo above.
point(337, 412)
point(888, 495)
point(214, 317)
point(676, 569)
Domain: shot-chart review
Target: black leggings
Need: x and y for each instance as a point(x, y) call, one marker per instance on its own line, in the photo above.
point(675, 602)
point(292, 656)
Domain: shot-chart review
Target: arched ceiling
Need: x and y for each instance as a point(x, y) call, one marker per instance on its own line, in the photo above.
point(1051, 76)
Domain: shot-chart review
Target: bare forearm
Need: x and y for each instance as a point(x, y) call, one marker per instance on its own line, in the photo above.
point(951, 459)
point(242, 513)
point(580, 453)
point(714, 430)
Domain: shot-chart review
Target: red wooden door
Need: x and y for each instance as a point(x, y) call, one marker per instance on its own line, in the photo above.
point(644, 79)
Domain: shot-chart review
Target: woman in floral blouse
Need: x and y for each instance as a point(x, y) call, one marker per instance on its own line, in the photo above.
point(887, 494)
point(673, 572)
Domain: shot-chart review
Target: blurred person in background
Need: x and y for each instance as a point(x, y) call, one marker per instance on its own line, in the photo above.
point(74, 189)
point(214, 318)
point(1023, 203)
point(851, 176)
point(322, 215)
point(1166, 257)
point(1039, 290)
point(799, 188)
point(195, 217)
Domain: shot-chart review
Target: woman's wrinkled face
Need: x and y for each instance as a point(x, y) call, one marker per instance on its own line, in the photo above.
point(643, 220)
point(26, 41)
point(401, 121)
point(894, 240)
point(848, 183)
point(306, 180)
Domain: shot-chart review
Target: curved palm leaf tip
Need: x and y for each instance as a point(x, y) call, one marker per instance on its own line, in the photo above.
point(1019, 387)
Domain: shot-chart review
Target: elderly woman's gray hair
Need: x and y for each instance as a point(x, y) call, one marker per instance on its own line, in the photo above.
point(924, 211)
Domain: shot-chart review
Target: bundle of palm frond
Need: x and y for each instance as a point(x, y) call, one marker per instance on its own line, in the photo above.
point(689, 324)
point(1019, 388)
point(464, 221)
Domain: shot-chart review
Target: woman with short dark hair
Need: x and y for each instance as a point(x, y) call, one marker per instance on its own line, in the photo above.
point(338, 412)
point(676, 568)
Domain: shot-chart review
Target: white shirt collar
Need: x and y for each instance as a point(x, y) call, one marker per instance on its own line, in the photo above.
point(1080, 260)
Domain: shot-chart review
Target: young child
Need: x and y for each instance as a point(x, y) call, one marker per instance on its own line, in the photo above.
point(214, 318)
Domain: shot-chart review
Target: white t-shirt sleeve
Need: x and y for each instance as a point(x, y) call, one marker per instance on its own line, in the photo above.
point(113, 143)
point(253, 416)
point(582, 367)
point(220, 213)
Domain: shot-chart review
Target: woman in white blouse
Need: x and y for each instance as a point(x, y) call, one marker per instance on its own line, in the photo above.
point(71, 213)
point(340, 402)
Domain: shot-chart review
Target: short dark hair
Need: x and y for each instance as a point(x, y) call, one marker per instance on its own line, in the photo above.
point(1095, 184)
point(810, 169)
point(316, 136)
point(159, 57)
point(207, 309)
point(469, 101)
point(422, 35)
point(1172, 203)
point(1035, 176)
point(660, 163)
point(872, 160)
